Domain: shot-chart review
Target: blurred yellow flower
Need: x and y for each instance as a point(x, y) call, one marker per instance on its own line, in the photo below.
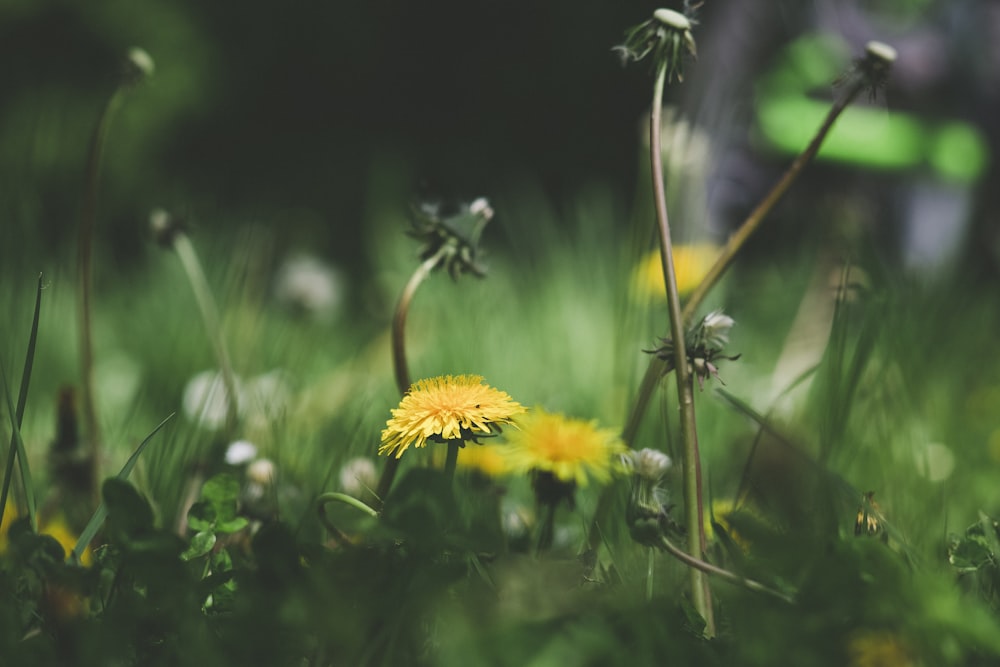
point(572, 450)
point(877, 649)
point(449, 407)
point(55, 527)
point(721, 511)
point(691, 263)
point(486, 459)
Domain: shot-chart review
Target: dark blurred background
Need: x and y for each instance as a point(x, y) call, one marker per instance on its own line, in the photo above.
point(304, 115)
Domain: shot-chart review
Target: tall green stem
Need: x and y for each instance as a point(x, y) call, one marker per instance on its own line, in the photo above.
point(691, 465)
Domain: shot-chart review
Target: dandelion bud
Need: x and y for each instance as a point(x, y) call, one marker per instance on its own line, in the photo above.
point(672, 19)
point(715, 330)
point(165, 227)
point(647, 513)
point(650, 464)
point(138, 66)
point(667, 36)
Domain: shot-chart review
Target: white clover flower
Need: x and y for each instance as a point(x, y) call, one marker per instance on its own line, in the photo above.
point(206, 401)
point(262, 471)
point(240, 452)
point(307, 284)
point(358, 477)
point(266, 396)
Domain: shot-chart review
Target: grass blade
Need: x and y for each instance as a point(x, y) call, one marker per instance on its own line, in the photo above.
point(17, 449)
point(18, 413)
point(102, 512)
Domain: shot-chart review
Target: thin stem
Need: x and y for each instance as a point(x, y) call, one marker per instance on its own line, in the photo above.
point(650, 560)
point(717, 571)
point(399, 364)
point(85, 281)
point(210, 316)
point(691, 465)
point(452, 460)
point(546, 531)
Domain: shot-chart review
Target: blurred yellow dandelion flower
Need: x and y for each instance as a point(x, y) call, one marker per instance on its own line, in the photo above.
point(572, 450)
point(878, 649)
point(448, 407)
point(55, 527)
point(486, 459)
point(722, 510)
point(691, 263)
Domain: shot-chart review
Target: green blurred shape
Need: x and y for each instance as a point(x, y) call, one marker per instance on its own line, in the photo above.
point(869, 137)
point(958, 152)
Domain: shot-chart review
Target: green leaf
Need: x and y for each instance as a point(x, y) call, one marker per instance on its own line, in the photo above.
point(201, 544)
point(129, 513)
point(222, 491)
point(232, 526)
point(102, 511)
point(201, 516)
point(18, 414)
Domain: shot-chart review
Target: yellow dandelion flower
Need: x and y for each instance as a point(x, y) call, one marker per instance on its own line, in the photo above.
point(691, 263)
point(572, 450)
point(449, 407)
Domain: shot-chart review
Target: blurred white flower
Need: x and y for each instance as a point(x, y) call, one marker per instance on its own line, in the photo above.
point(206, 400)
point(240, 452)
point(358, 477)
point(262, 471)
point(266, 396)
point(308, 285)
point(935, 461)
point(119, 378)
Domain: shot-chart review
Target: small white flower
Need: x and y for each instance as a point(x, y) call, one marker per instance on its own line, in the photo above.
point(240, 452)
point(358, 477)
point(266, 397)
point(307, 284)
point(206, 401)
point(262, 472)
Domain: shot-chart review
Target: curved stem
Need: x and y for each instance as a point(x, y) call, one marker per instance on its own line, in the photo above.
point(717, 571)
point(333, 496)
point(399, 364)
